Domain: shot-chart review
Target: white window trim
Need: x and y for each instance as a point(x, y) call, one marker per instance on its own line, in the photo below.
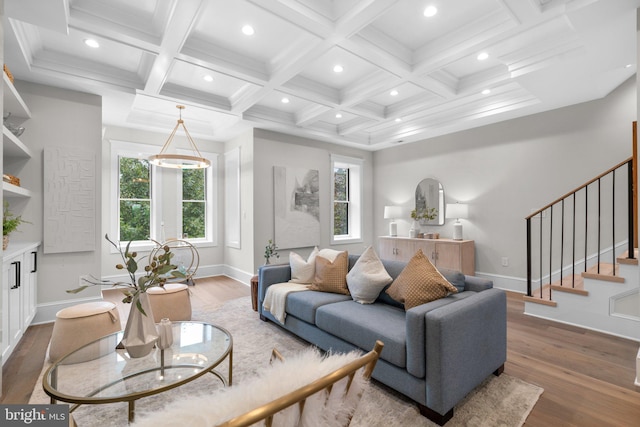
point(140, 151)
point(143, 151)
point(211, 239)
point(356, 211)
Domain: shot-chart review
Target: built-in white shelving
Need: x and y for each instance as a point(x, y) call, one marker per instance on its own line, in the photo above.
point(10, 190)
point(12, 147)
point(13, 101)
point(14, 151)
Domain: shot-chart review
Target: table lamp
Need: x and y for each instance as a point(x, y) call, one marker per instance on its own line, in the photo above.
point(392, 212)
point(457, 211)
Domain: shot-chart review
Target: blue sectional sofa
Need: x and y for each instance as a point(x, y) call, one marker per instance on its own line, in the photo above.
point(435, 353)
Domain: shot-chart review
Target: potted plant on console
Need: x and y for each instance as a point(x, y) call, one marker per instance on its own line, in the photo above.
point(428, 214)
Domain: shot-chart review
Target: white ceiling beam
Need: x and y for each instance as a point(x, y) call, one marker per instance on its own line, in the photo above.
point(178, 28)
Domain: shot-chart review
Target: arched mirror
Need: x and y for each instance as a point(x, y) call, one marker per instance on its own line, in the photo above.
point(430, 202)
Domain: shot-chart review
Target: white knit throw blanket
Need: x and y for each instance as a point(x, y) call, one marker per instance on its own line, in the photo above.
point(276, 298)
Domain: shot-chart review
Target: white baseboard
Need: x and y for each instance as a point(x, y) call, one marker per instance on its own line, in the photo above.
point(508, 283)
point(46, 312)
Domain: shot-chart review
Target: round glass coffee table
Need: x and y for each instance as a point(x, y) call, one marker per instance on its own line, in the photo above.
point(113, 376)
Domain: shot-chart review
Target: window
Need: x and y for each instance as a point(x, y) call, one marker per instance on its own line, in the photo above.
point(196, 217)
point(346, 181)
point(194, 204)
point(134, 198)
point(159, 203)
point(340, 201)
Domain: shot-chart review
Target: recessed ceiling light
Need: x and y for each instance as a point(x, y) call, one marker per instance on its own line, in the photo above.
point(248, 30)
point(338, 69)
point(482, 56)
point(430, 11)
point(208, 78)
point(338, 116)
point(486, 91)
point(285, 100)
point(393, 93)
point(92, 43)
point(398, 119)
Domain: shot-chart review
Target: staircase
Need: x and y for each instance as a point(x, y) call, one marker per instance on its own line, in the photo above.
point(582, 268)
point(597, 300)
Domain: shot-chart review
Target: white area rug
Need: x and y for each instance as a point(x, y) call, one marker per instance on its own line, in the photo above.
point(500, 401)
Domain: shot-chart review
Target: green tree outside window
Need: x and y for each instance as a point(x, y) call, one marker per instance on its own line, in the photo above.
point(341, 201)
point(194, 203)
point(135, 199)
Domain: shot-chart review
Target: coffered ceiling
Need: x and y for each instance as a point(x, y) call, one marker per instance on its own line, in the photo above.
point(405, 76)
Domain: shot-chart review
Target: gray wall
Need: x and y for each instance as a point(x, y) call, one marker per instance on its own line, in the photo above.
point(507, 170)
point(60, 118)
point(240, 261)
point(275, 149)
point(503, 171)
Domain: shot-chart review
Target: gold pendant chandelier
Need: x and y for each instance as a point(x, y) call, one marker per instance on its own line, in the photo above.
point(180, 161)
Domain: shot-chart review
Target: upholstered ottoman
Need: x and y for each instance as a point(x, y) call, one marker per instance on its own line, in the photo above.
point(81, 324)
point(171, 301)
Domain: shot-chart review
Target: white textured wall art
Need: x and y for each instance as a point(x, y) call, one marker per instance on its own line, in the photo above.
point(69, 200)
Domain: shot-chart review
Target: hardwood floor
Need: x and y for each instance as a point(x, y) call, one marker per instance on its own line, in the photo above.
point(588, 377)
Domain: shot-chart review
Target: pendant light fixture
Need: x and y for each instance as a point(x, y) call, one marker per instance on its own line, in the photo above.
point(180, 161)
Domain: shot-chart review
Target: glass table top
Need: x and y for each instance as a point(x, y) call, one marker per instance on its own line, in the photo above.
point(114, 376)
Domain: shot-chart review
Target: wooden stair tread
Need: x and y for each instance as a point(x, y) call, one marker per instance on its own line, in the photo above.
point(624, 258)
point(573, 284)
point(538, 300)
point(606, 273)
point(544, 299)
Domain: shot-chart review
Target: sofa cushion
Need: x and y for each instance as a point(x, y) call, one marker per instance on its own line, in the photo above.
point(303, 271)
point(303, 305)
point(419, 283)
point(455, 277)
point(361, 325)
point(367, 277)
point(331, 276)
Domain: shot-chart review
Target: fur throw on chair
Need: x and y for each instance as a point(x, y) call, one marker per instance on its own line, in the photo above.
point(296, 371)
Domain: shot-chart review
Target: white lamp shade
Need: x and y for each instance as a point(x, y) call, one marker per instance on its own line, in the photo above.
point(457, 210)
point(392, 212)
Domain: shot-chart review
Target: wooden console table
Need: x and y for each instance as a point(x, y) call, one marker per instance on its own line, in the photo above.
point(444, 253)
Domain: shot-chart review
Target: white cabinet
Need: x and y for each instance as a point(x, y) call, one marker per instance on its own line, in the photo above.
point(19, 293)
point(443, 253)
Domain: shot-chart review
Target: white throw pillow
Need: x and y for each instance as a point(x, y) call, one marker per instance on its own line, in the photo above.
point(367, 278)
point(303, 271)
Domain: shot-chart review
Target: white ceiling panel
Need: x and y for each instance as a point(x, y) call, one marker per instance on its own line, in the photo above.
point(543, 54)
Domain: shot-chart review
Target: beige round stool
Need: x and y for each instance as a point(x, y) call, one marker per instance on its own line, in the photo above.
point(81, 324)
point(171, 301)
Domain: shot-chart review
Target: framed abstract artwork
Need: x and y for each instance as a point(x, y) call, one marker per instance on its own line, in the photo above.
point(297, 207)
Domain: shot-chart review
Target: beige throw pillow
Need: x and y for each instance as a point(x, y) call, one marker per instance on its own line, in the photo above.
point(303, 271)
point(367, 277)
point(329, 254)
point(331, 276)
point(420, 282)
